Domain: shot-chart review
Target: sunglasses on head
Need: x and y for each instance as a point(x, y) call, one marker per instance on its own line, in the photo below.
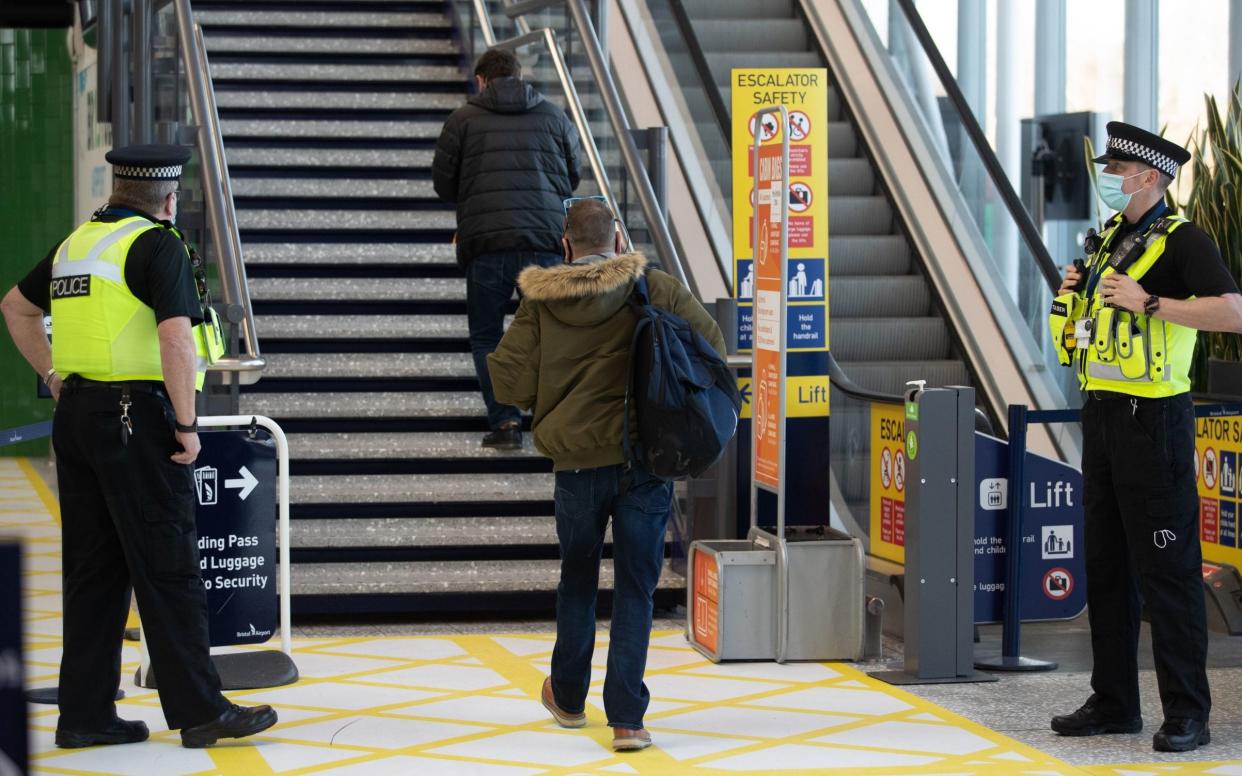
point(570, 202)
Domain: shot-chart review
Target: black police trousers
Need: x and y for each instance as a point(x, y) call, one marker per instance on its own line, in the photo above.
point(127, 518)
point(1142, 545)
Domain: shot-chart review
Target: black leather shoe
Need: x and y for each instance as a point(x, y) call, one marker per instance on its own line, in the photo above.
point(1181, 735)
point(119, 732)
point(235, 722)
point(507, 437)
point(1091, 720)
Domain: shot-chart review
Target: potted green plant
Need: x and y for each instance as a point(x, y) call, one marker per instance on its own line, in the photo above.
point(1215, 204)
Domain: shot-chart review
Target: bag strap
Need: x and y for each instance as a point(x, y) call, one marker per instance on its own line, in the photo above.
point(626, 446)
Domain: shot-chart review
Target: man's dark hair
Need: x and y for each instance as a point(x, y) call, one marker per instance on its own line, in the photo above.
point(588, 224)
point(498, 63)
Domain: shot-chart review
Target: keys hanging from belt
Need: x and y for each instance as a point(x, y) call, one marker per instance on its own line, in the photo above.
point(127, 425)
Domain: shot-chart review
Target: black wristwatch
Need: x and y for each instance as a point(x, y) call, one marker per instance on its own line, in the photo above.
point(190, 429)
point(1151, 304)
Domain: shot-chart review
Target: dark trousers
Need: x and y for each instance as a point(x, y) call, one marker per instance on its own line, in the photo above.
point(490, 281)
point(128, 519)
point(639, 505)
point(1142, 537)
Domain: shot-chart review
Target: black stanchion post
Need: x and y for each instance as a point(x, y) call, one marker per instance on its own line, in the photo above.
point(1010, 658)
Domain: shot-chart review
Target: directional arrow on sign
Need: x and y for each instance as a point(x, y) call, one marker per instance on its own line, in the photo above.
point(247, 483)
point(744, 392)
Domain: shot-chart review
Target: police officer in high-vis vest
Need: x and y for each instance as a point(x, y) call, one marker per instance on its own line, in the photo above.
point(131, 338)
point(1126, 321)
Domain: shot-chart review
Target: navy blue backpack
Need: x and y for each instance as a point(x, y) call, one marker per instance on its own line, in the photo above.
point(681, 391)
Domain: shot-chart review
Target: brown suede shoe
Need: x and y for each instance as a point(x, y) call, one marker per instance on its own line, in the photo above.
point(562, 717)
point(630, 740)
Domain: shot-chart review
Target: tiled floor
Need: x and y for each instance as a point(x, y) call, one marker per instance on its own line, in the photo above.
point(460, 703)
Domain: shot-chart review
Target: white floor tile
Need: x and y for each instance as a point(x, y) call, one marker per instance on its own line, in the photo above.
point(696, 688)
point(792, 756)
point(496, 711)
point(619, 768)
point(444, 677)
point(411, 648)
point(684, 746)
point(525, 646)
point(318, 666)
point(911, 737)
point(654, 706)
point(835, 699)
point(1227, 770)
point(673, 640)
point(376, 732)
point(426, 766)
point(334, 695)
point(772, 672)
point(145, 759)
point(531, 747)
point(514, 691)
point(288, 757)
point(753, 723)
point(41, 562)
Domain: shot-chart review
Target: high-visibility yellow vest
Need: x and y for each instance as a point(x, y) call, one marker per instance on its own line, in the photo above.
point(100, 330)
point(1133, 353)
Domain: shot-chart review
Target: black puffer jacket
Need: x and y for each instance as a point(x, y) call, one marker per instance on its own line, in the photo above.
point(507, 158)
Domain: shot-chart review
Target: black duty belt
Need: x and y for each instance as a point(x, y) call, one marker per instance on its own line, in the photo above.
point(79, 383)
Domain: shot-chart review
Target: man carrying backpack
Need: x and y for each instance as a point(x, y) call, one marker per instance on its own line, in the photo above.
point(567, 356)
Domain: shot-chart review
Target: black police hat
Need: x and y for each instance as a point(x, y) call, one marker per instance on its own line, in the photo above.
point(152, 162)
point(1128, 143)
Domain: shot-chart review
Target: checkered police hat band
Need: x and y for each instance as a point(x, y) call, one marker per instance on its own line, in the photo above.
point(170, 173)
point(1153, 157)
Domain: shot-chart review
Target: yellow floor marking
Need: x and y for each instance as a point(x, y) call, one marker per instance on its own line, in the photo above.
point(40, 487)
point(239, 759)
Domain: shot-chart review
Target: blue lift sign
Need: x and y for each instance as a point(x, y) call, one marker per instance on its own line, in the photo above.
point(1053, 557)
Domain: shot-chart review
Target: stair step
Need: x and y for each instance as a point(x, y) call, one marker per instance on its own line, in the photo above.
point(332, 188)
point(430, 577)
point(388, 445)
point(315, 45)
point(266, 71)
point(253, 218)
point(424, 532)
point(890, 339)
point(338, 100)
point(344, 128)
point(351, 253)
point(363, 326)
point(419, 488)
point(329, 157)
point(735, 35)
point(875, 254)
point(894, 296)
point(361, 289)
point(367, 365)
point(891, 376)
point(405, 404)
point(266, 19)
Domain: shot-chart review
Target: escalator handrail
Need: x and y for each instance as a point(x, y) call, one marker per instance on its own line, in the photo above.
point(704, 70)
point(1026, 227)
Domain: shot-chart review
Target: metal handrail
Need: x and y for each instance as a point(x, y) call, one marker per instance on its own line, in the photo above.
point(217, 192)
point(657, 227)
point(1030, 235)
point(697, 56)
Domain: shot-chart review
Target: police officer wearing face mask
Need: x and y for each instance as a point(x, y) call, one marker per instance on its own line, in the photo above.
point(131, 337)
point(1127, 323)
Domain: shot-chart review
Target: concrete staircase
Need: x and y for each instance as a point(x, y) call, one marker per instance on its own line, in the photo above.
point(330, 110)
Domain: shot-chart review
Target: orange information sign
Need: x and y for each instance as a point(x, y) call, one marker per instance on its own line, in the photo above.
point(768, 337)
point(706, 615)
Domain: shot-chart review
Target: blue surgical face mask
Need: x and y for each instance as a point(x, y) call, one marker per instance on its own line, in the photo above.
point(1109, 186)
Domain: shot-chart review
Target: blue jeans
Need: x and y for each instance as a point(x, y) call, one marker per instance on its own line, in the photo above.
point(639, 505)
point(490, 280)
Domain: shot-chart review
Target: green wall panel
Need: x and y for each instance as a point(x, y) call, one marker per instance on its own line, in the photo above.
point(36, 192)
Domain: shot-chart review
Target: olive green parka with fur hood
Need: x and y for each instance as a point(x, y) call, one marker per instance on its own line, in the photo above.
point(567, 352)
